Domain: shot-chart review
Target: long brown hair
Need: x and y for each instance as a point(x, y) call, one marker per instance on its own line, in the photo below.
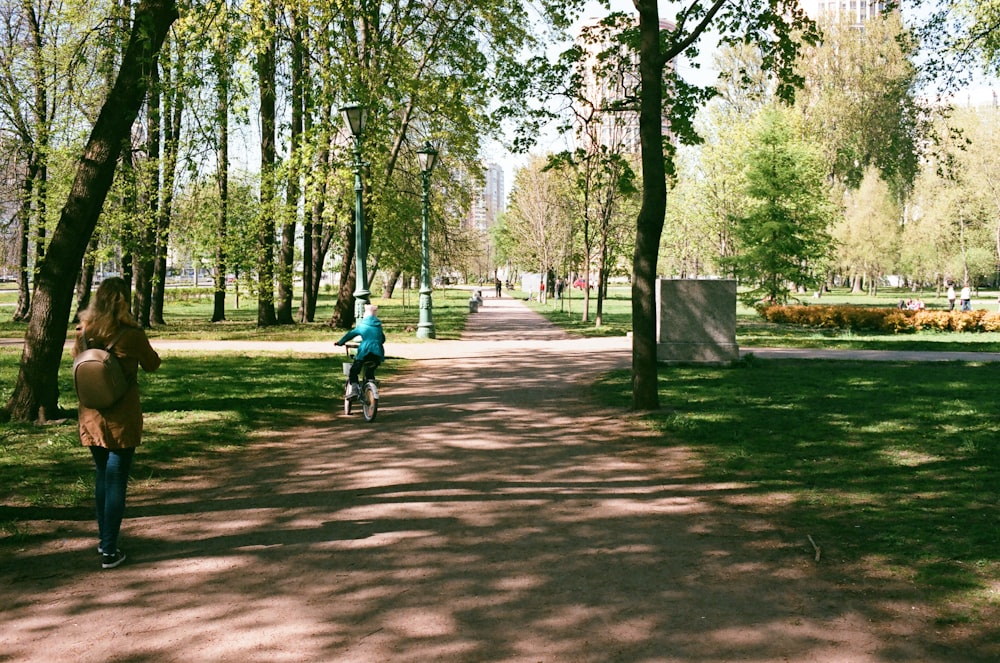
point(108, 310)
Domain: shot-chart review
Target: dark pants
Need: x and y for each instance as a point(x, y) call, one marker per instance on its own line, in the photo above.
point(369, 364)
point(110, 485)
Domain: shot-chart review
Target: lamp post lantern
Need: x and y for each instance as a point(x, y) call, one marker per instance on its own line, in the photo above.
point(426, 155)
point(354, 116)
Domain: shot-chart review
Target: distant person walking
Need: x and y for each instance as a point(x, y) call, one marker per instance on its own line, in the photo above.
point(499, 287)
point(114, 432)
point(966, 298)
point(951, 296)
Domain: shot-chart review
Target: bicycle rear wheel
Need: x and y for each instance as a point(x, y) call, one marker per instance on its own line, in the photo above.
point(369, 401)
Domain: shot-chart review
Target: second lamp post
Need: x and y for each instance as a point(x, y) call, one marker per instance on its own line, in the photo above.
point(426, 155)
point(354, 115)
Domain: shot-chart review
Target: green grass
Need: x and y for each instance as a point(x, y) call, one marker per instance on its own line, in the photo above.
point(191, 319)
point(892, 468)
point(193, 408)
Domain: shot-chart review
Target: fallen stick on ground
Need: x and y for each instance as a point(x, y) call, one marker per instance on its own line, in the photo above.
point(815, 547)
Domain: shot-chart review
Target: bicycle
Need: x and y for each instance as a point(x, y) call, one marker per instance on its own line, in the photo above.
point(367, 395)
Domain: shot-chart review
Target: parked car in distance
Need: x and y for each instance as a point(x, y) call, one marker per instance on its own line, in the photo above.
point(580, 283)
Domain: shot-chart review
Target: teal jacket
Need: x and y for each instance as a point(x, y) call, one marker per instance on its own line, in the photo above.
point(372, 338)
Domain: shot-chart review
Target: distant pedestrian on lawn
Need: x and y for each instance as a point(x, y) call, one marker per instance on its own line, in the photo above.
point(113, 433)
point(951, 296)
point(966, 298)
point(371, 351)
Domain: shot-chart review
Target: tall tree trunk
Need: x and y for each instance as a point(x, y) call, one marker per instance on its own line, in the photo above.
point(649, 225)
point(322, 232)
point(286, 262)
point(34, 186)
point(174, 113)
point(322, 239)
point(307, 306)
point(602, 278)
point(268, 153)
point(145, 257)
point(24, 245)
point(129, 238)
point(36, 392)
point(223, 73)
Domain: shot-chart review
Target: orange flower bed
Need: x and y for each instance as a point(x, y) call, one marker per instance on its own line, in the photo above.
point(876, 319)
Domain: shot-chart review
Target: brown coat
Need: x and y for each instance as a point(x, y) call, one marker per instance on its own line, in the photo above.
point(119, 426)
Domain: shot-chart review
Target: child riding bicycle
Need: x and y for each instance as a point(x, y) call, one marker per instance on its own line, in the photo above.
point(370, 353)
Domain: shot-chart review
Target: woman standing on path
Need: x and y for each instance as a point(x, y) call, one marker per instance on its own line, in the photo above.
point(113, 433)
point(966, 298)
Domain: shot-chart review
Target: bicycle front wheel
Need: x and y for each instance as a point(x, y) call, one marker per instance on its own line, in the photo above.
point(369, 402)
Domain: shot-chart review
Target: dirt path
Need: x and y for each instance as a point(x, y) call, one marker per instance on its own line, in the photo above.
point(492, 513)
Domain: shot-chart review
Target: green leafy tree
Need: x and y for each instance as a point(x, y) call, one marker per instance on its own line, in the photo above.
point(869, 233)
point(956, 207)
point(782, 235)
point(778, 28)
point(538, 218)
point(859, 101)
point(36, 393)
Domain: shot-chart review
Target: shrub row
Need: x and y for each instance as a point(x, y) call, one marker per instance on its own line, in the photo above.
point(874, 319)
point(188, 294)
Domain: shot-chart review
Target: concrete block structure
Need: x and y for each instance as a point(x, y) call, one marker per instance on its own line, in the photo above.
point(696, 321)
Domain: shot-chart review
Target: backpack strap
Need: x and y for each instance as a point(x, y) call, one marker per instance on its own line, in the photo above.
point(118, 337)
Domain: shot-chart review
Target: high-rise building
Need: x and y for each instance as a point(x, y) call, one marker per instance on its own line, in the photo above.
point(857, 11)
point(490, 202)
point(607, 112)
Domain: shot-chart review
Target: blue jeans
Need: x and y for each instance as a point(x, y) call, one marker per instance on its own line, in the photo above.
point(110, 484)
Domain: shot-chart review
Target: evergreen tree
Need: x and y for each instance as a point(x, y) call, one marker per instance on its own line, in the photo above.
point(782, 235)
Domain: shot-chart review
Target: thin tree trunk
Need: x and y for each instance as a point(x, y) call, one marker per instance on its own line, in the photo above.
point(649, 225)
point(286, 263)
point(174, 113)
point(145, 257)
point(307, 306)
point(223, 72)
point(268, 154)
point(24, 231)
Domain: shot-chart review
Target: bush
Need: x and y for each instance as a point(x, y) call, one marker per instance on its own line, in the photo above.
point(875, 319)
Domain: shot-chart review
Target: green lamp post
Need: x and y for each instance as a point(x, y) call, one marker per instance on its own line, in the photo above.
point(426, 155)
point(354, 116)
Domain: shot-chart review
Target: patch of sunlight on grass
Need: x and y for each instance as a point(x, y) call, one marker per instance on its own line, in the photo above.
point(908, 457)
